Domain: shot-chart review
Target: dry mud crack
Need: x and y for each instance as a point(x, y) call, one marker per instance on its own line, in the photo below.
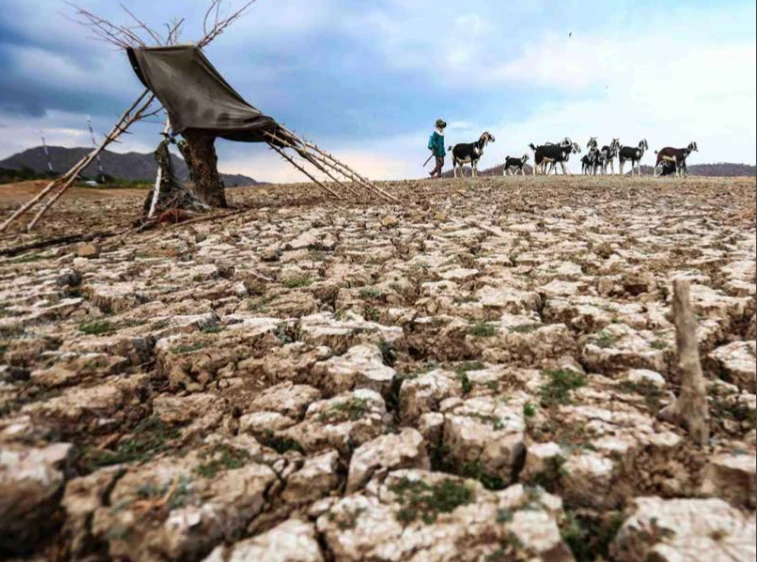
point(473, 376)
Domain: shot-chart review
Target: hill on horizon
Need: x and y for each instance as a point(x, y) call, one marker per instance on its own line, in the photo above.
point(132, 166)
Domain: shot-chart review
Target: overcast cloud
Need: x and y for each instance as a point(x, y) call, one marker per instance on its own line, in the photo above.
point(368, 80)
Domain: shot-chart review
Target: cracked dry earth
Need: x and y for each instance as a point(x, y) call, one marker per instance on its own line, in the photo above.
point(472, 376)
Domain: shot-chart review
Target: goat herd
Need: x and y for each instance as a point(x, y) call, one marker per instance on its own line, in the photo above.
point(547, 157)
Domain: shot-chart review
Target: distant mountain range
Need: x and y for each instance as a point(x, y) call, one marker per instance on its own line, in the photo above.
point(131, 166)
point(722, 170)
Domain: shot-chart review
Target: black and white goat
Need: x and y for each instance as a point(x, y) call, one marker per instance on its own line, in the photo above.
point(553, 154)
point(607, 156)
point(513, 166)
point(634, 154)
point(589, 162)
point(677, 157)
point(540, 160)
point(470, 154)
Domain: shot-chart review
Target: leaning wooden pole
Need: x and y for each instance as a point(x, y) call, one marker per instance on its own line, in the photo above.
point(308, 157)
point(691, 410)
point(68, 178)
point(346, 170)
point(124, 123)
point(342, 168)
point(303, 170)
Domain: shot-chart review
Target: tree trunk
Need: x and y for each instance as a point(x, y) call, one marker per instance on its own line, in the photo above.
point(203, 165)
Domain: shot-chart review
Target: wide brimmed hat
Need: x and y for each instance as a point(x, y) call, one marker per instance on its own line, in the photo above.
point(441, 123)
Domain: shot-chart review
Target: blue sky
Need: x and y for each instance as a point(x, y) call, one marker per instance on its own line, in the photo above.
point(368, 80)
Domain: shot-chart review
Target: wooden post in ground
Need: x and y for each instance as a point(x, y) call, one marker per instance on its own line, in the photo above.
point(691, 411)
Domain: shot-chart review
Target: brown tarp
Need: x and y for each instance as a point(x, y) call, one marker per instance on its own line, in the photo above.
point(197, 97)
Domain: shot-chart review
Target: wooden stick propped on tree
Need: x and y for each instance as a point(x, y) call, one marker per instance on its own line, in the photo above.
point(123, 37)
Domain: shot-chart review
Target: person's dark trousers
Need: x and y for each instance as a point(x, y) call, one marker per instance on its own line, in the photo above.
point(439, 167)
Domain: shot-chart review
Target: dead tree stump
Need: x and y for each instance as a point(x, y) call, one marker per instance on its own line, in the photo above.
point(691, 411)
point(203, 164)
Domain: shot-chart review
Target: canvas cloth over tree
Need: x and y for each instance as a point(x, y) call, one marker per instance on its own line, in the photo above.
point(197, 98)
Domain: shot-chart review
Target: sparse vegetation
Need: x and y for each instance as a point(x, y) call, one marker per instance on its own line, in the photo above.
point(149, 438)
point(370, 293)
point(426, 502)
point(298, 282)
point(605, 340)
point(653, 394)
point(219, 458)
point(351, 410)
point(558, 391)
point(186, 349)
point(482, 329)
point(373, 314)
point(529, 411)
point(550, 477)
point(526, 328)
point(97, 328)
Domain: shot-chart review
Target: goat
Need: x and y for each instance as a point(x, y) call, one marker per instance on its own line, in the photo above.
point(607, 156)
point(470, 154)
point(516, 164)
point(540, 159)
point(554, 154)
point(589, 162)
point(677, 156)
point(635, 155)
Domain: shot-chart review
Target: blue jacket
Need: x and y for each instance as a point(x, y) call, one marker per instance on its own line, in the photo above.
point(436, 143)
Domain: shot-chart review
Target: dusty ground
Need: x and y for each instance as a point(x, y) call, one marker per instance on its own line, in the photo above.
point(473, 376)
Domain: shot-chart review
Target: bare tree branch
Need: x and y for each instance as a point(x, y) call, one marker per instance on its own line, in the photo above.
point(222, 24)
point(151, 32)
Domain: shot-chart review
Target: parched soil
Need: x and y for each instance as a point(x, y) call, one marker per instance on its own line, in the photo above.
point(472, 376)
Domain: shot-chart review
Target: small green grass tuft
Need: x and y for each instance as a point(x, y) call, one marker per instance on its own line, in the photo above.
point(465, 382)
point(424, 501)
point(370, 293)
point(150, 437)
point(476, 471)
point(558, 390)
point(529, 411)
point(189, 348)
point(605, 340)
point(549, 478)
point(298, 282)
point(212, 330)
point(653, 395)
point(351, 410)
point(372, 314)
point(219, 458)
point(482, 329)
point(526, 328)
point(282, 444)
point(97, 328)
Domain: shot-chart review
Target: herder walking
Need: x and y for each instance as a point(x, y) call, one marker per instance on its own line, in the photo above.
point(436, 146)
